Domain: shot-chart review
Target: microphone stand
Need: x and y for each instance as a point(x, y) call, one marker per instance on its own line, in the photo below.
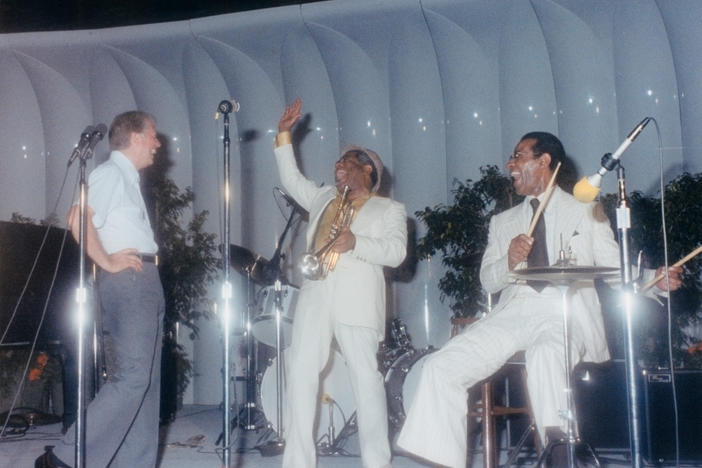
point(81, 301)
point(623, 215)
point(226, 293)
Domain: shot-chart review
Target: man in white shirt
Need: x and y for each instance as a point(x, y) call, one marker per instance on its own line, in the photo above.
point(122, 421)
point(527, 318)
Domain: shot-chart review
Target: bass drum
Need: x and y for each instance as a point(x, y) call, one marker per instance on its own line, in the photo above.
point(401, 383)
point(335, 403)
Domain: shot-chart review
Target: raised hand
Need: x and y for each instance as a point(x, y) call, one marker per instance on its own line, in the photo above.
point(290, 116)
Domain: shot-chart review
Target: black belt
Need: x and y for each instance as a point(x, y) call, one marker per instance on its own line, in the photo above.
point(149, 258)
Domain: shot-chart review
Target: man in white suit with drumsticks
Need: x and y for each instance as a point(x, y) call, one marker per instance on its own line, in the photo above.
point(527, 317)
point(348, 304)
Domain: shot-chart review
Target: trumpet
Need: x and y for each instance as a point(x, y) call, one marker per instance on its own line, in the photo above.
point(317, 265)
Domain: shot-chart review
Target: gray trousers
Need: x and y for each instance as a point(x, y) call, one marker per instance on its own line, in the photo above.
point(121, 425)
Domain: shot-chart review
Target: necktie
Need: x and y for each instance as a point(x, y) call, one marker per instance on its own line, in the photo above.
point(538, 256)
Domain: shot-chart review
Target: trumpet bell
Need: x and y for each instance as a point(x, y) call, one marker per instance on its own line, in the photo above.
point(310, 266)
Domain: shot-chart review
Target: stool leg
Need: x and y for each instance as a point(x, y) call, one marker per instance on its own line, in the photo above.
point(488, 426)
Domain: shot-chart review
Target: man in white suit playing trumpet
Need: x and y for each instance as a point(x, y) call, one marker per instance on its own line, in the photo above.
point(347, 303)
point(525, 318)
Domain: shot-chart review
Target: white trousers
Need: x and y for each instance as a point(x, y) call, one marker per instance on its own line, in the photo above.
point(436, 424)
point(313, 330)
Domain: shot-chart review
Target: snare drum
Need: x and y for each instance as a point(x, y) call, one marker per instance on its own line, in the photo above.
point(335, 395)
point(401, 383)
point(263, 326)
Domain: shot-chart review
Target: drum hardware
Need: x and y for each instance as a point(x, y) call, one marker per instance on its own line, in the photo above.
point(399, 335)
point(272, 272)
point(248, 263)
point(251, 265)
point(333, 445)
point(563, 277)
point(263, 324)
point(335, 388)
point(317, 265)
point(401, 382)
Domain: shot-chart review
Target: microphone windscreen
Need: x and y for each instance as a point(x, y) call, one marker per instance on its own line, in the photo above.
point(584, 191)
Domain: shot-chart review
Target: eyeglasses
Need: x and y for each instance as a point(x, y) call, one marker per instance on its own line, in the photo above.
point(517, 155)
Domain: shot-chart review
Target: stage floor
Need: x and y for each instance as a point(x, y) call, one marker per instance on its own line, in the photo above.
point(190, 442)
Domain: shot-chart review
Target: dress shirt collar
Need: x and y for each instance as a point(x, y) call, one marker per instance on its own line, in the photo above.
point(125, 165)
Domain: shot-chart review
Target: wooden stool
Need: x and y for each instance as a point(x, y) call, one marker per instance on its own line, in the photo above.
point(485, 408)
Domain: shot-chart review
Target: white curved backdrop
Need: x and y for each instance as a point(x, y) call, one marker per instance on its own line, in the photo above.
point(438, 87)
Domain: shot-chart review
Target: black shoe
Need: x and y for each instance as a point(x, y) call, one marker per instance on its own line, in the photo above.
point(558, 458)
point(49, 460)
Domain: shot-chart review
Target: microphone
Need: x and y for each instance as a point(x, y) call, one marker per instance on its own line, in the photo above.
point(291, 201)
point(97, 135)
point(227, 107)
point(82, 144)
point(587, 188)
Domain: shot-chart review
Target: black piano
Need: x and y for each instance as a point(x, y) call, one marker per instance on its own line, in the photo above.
point(51, 288)
point(19, 252)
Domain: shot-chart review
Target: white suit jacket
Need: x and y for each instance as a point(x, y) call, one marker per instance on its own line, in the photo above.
point(586, 231)
point(380, 228)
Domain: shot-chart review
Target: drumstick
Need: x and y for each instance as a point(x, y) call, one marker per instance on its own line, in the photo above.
point(542, 205)
point(680, 262)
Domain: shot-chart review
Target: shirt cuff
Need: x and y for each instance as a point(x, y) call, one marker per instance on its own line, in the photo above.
point(282, 138)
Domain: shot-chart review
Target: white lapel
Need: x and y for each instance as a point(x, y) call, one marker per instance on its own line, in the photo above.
point(568, 214)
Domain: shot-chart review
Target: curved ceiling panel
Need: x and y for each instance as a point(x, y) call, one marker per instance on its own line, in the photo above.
point(470, 92)
point(646, 86)
point(583, 83)
point(23, 163)
point(682, 27)
point(64, 115)
point(417, 113)
point(527, 94)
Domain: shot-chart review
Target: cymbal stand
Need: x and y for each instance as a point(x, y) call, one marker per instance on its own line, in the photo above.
point(572, 436)
point(248, 422)
point(272, 271)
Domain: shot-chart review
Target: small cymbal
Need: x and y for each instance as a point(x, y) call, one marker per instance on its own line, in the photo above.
point(564, 274)
point(247, 263)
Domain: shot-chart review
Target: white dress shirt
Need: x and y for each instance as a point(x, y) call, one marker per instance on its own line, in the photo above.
point(120, 215)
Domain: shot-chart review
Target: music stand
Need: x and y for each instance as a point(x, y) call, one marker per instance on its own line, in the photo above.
point(563, 278)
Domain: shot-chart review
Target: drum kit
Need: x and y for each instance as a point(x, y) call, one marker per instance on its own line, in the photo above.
point(398, 360)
